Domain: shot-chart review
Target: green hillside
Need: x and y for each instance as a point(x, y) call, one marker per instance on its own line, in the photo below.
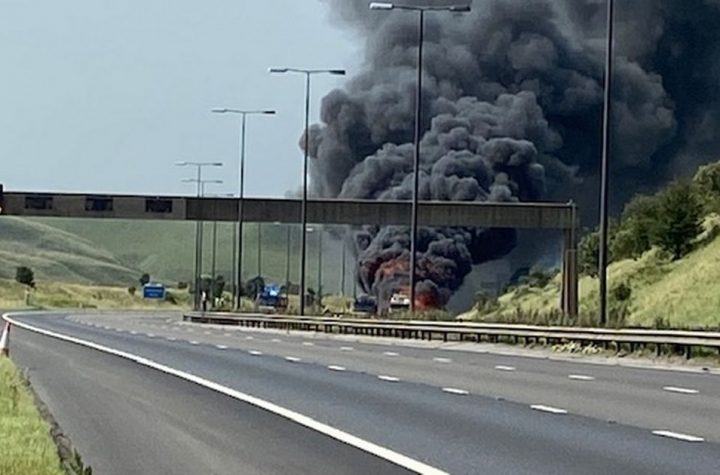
point(680, 293)
point(165, 250)
point(54, 254)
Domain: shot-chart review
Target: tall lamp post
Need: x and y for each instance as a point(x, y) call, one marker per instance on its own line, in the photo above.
point(604, 178)
point(198, 224)
point(241, 191)
point(303, 213)
point(418, 120)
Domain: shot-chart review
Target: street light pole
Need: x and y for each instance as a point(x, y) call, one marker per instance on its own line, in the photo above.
point(343, 270)
point(320, 286)
point(241, 185)
point(198, 223)
point(287, 260)
point(303, 210)
point(418, 125)
point(604, 178)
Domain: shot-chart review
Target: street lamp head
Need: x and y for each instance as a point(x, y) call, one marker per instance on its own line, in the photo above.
point(219, 111)
point(181, 164)
point(460, 8)
point(381, 6)
point(278, 70)
point(337, 72)
point(269, 112)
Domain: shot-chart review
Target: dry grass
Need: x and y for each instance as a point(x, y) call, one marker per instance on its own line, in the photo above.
point(63, 295)
point(25, 442)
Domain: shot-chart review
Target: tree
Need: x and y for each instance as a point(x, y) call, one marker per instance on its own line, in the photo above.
point(588, 253)
point(679, 219)
point(25, 276)
point(254, 286)
point(638, 226)
point(219, 287)
point(144, 279)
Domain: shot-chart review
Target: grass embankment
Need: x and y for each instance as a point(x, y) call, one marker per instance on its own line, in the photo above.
point(26, 446)
point(63, 295)
point(683, 293)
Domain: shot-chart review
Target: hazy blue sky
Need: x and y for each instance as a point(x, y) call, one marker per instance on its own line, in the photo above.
point(106, 95)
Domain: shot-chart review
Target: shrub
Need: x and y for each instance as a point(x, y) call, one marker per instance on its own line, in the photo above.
point(707, 185)
point(25, 276)
point(637, 230)
point(182, 285)
point(132, 290)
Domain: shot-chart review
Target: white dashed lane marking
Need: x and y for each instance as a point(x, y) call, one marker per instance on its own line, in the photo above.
point(333, 367)
point(221, 347)
point(501, 367)
point(249, 338)
point(390, 353)
point(581, 377)
point(292, 359)
point(171, 338)
point(442, 360)
point(678, 436)
point(276, 340)
point(549, 409)
point(255, 352)
point(389, 379)
point(346, 348)
point(308, 343)
point(193, 342)
point(456, 391)
point(675, 389)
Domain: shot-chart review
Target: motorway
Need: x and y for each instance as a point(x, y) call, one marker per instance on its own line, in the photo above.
point(457, 411)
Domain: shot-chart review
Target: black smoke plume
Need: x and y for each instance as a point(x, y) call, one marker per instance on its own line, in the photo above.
point(512, 112)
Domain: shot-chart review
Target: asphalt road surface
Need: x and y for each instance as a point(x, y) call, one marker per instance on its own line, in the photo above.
point(458, 411)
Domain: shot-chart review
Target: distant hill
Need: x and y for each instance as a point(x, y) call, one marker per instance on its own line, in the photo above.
point(54, 254)
point(118, 251)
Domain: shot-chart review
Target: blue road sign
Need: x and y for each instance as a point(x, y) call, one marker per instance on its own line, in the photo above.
point(154, 292)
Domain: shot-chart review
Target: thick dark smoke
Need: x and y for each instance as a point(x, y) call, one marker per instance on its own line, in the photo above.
point(512, 112)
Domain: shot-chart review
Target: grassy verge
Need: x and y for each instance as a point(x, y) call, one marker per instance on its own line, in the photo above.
point(25, 441)
point(65, 295)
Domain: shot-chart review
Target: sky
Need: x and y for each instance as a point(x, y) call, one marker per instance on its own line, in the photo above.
point(105, 96)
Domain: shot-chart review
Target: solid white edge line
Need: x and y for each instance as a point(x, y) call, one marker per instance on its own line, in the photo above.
point(456, 391)
point(389, 379)
point(310, 423)
point(581, 377)
point(678, 436)
point(550, 409)
point(679, 390)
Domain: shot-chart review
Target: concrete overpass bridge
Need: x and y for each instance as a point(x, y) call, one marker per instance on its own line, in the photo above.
point(549, 216)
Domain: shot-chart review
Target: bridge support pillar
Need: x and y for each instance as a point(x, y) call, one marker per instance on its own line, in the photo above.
point(569, 290)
